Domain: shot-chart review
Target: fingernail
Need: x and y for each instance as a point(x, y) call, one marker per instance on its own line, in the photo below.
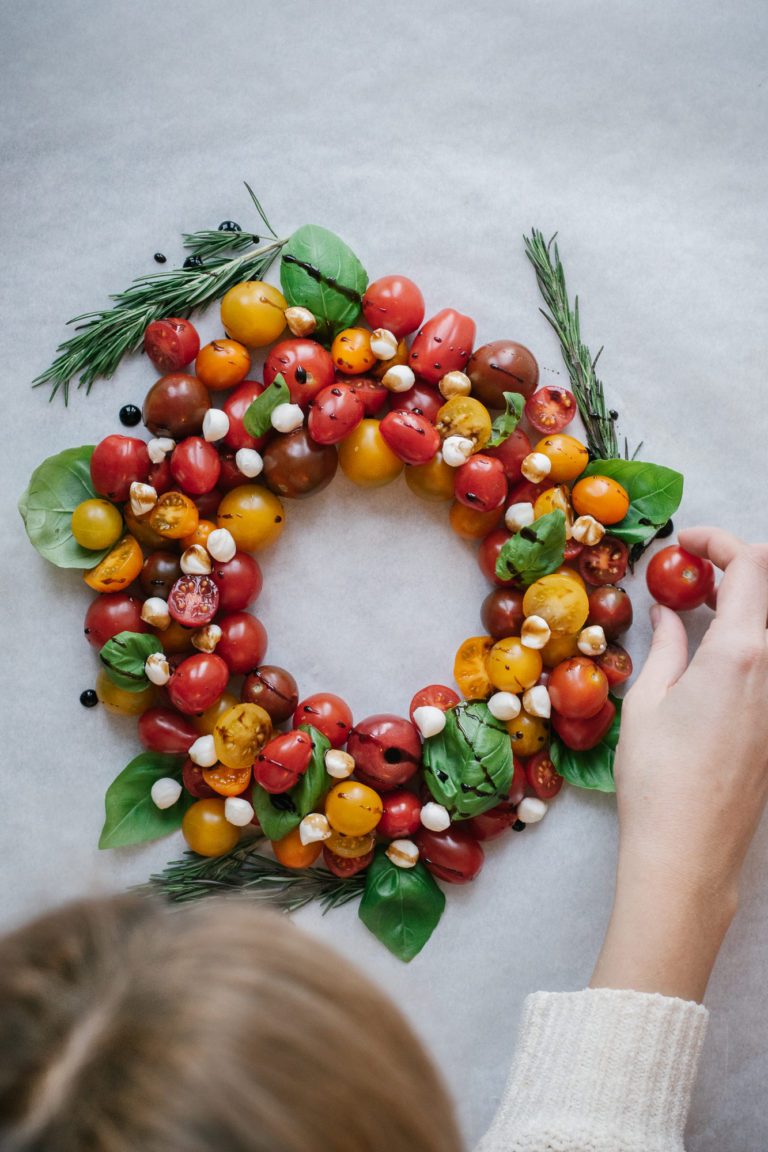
point(655, 614)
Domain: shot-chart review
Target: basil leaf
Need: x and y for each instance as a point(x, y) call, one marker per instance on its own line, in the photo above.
point(534, 551)
point(654, 494)
point(318, 271)
point(468, 767)
point(504, 425)
point(257, 418)
point(55, 489)
point(280, 814)
point(592, 768)
point(124, 657)
point(401, 906)
point(132, 815)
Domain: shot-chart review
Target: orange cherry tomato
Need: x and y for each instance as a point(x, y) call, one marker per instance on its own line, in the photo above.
point(119, 568)
point(200, 534)
point(601, 497)
point(431, 481)
point(254, 516)
point(472, 523)
point(527, 733)
point(470, 668)
point(567, 455)
point(290, 851)
point(366, 459)
point(222, 364)
point(174, 516)
point(207, 830)
point(351, 351)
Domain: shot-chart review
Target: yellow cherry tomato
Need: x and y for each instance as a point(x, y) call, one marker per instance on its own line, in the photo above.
point(207, 830)
point(472, 523)
point(290, 851)
point(240, 733)
point(254, 516)
point(366, 459)
point(383, 366)
point(253, 313)
point(527, 733)
point(119, 700)
point(601, 497)
point(174, 516)
point(119, 568)
point(350, 846)
point(567, 455)
point(559, 648)
point(571, 573)
point(556, 497)
point(175, 638)
point(465, 416)
point(96, 524)
point(560, 601)
point(222, 364)
point(431, 481)
point(351, 351)
point(205, 722)
point(353, 808)
point(140, 527)
point(512, 667)
point(470, 668)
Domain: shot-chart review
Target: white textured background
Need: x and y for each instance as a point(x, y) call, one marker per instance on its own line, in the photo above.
point(431, 137)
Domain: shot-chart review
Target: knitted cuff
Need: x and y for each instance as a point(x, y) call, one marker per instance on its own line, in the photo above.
point(602, 1070)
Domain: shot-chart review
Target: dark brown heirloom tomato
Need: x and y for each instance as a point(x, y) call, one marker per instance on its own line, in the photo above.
point(443, 345)
point(160, 572)
point(235, 406)
point(243, 641)
point(611, 608)
point(481, 483)
point(273, 689)
point(176, 405)
point(616, 663)
point(604, 563)
point(410, 436)
point(116, 462)
point(171, 344)
point(283, 761)
point(401, 814)
point(453, 856)
point(111, 613)
point(192, 779)
point(305, 366)
point(583, 734)
point(165, 730)
point(386, 750)
point(543, 777)
point(295, 465)
point(328, 713)
point(422, 399)
point(499, 367)
point(238, 580)
point(344, 866)
point(502, 613)
point(336, 411)
point(193, 600)
point(511, 452)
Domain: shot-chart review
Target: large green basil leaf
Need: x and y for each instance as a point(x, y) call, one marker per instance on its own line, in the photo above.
point(534, 551)
point(132, 815)
point(318, 271)
point(594, 767)
point(469, 766)
point(280, 814)
point(124, 657)
point(654, 494)
point(505, 424)
point(401, 906)
point(257, 418)
point(55, 489)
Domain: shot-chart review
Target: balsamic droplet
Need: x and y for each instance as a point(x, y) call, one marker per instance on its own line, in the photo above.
point(229, 226)
point(160, 258)
point(301, 374)
point(518, 826)
point(89, 699)
point(193, 262)
point(665, 530)
point(130, 415)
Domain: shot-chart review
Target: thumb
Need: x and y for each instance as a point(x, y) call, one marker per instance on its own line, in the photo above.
point(668, 656)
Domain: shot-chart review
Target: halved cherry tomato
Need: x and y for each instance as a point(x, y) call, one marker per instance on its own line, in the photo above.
point(344, 866)
point(470, 669)
point(193, 600)
point(174, 516)
point(616, 662)
point(171, 344)
point(542, 776)
point(604, 563)
point(119, 568)
point(226, 780)
point(240, 733)
point(550, 409)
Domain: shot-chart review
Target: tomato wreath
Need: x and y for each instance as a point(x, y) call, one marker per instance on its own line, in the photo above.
point(165, 530)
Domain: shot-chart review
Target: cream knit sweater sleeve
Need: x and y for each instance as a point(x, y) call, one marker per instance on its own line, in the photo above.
point(600, 1071)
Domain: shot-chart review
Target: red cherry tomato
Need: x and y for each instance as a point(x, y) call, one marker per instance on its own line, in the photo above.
point(443, 345)
point(165, 730)
point(572, 549)
point(604, 563)
point(543, 777)
point(336, 411)
point(243, 642)
point(410, 436)
point(488, 554)
point(422, 399)
point(394, 303)
point(452, 856)
point(524, 492)
point(679, 579)
point(235, 406)
point(329, 714)
point(344, 866)
point(386, 749)
point(238, 580)
point(198, 682)
point(583, 734)
point(511, 452)
point(434, 696)
point(481, 483)
point(616, 663)
point(171, 344)
point(195, 465)
point(577, 688)
point(488, 825)
point(401, 815)
point(283, 761)
point(193, 781)
point(193, 600)
point(550, 409)
point(305, 366)
point(372, 393)
point(117, 461)
point(111, 613)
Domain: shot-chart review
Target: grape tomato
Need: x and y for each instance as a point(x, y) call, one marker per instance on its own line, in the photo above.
point(443, 345)
point(335, 412)
point(410, 436)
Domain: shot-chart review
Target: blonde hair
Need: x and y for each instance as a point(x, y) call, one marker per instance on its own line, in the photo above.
point(211, 1028)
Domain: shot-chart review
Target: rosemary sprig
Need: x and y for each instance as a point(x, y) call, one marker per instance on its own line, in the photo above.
point(245, 869)
point(105, 336)
point(600, 424)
